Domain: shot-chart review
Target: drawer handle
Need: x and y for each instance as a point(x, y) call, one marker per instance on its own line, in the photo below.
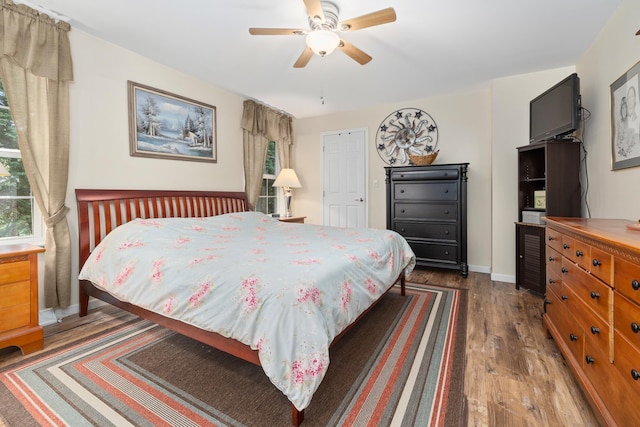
point(596, 263)
point(635, 327)
point(595, 330)
point(446, 212)
point(572, 337)
point(550, 238)
point(446, 191)
point(594, 294)
point(401, 191)
point(579, 253)
point(566, 246)
point(547, 301)
point(589, 359)
point(551, 259)
point(402, 211)
point(564, 297)
point(446, 252)
point(402, 229)
point(446, 232)
point(635, 284)
point(635, 374)
point(551, 281)
point(401, 175)
point(564, 270)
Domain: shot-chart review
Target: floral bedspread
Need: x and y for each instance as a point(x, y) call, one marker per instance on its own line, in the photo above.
point(286, 290)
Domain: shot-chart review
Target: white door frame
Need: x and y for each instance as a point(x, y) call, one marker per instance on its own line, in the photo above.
point(366, 169)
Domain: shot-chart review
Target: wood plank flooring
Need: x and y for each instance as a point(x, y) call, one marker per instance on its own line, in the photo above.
point(515, 375)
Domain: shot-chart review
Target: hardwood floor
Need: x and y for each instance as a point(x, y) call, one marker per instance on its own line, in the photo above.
point(515, 375)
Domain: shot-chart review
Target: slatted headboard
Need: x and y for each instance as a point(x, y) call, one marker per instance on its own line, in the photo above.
point(100, 211)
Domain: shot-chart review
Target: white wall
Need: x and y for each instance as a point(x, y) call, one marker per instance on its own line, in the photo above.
point(99, 152)
point(612, 194)
point(464, 129)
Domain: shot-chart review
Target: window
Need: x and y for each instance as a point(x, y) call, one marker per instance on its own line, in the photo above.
point(20, 218)
point(268, 199)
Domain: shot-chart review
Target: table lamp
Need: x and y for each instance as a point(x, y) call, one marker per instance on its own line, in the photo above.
point(287, 179)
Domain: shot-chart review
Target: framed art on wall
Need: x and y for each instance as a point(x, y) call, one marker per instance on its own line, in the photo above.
point(625, 120)
point(168, 126)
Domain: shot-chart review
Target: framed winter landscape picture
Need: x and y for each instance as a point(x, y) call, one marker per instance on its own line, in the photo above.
point(168, 126)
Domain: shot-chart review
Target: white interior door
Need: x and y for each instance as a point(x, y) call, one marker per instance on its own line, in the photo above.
point(344, 178)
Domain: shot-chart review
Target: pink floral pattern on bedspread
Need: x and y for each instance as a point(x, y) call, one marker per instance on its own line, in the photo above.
point(286, 290)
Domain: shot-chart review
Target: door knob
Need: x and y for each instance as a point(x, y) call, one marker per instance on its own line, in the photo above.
point(360, 200)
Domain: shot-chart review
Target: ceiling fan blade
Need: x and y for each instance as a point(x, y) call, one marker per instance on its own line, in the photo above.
point(353, 52)
point(380, 17)
point(314, 8)
point(304, 58)
point(276, 31)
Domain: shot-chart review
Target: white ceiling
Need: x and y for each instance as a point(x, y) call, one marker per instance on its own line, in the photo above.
point(434, 47)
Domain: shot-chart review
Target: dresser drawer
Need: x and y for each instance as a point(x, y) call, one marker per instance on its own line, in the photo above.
point(628, 362)
point(434, 174)
point(596, 330)
point(554, 281)
point(627, 279)
point(594, 293)
point(626, 316)
point(570, 333)
point(436, 190)
point(432, 211)
point(15, 316)
point(554, 261)
point(434, 251)
point(16, 293)
point(17, 271)
point(426, 230)
point(601, 265)
point(616, 393)
point(577, 252)
point(554, 239)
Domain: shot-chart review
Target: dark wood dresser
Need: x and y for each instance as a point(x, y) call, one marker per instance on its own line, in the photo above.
point(427, 205)
point(592, 310)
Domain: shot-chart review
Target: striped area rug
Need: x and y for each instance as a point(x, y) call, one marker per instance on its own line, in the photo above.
point(402, 364)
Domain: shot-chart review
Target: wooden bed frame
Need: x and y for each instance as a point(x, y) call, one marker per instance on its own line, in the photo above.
point(100, 211)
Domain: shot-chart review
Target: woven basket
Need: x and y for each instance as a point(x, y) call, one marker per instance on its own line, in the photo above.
point(427, 159)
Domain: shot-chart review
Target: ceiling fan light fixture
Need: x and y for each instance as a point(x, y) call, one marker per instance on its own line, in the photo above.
point(323, 42)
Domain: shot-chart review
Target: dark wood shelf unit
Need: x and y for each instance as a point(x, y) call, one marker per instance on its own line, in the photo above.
point(554, 167)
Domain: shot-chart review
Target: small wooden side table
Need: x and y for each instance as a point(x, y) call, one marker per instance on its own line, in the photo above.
point(19, 325)
point(298, 219)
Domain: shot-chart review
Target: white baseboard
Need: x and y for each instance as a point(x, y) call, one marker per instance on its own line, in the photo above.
point(49, 316)
point(503, 278)
point(480, 269)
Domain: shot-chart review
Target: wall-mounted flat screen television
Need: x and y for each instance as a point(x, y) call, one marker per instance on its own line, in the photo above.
point(556, 112)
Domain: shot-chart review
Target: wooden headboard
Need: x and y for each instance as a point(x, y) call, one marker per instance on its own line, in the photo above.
point(100, 211)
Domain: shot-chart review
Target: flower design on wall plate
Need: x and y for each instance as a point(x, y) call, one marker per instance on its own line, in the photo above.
point(406, 131)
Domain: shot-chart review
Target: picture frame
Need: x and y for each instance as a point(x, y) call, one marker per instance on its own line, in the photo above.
point(625, 120)
point(164, 125)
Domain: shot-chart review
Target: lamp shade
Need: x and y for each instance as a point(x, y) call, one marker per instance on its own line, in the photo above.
point(287, 178)
point(323, 42)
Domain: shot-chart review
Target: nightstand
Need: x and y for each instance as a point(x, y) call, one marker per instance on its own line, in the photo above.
point(298, 219)
point(19, 325)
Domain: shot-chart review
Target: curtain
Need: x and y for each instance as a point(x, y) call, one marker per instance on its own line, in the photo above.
point(261, 124)
point(36, 68)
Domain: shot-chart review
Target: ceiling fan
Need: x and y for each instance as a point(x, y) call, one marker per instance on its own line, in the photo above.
point(322, 35)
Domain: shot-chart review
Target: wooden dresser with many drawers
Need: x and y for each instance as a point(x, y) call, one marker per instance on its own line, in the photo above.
point(592, 310)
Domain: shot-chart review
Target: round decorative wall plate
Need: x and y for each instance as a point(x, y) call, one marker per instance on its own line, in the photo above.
point(406, 131)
